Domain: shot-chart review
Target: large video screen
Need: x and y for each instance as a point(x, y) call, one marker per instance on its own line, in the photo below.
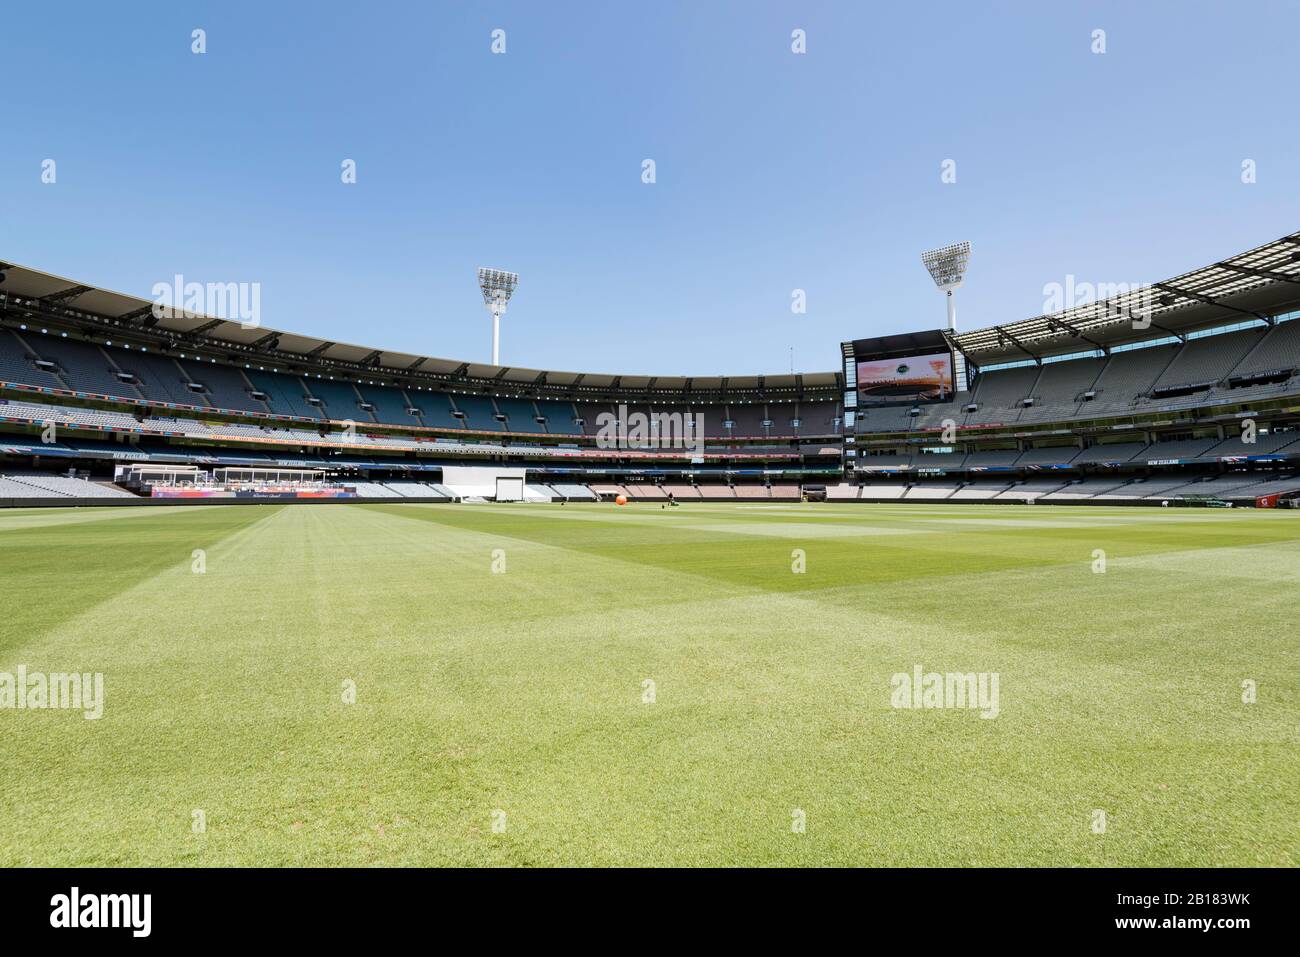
point(922, 378)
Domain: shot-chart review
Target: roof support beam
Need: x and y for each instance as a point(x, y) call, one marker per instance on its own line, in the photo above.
point(319, 349)
point(1261, 273)
point(1197, 297)
point(1074, 331)
point(207, 326)
point(1002, 333)
point(65, 295)
point(135, 314)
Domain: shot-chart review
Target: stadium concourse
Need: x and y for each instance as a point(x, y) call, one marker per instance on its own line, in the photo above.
point(1183, 392)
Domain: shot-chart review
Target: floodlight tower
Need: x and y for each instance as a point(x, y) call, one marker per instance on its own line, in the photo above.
point(947, 267)
point(497, 286)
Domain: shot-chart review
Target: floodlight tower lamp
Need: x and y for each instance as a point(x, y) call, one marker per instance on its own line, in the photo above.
point(947, 267)
point(497, 285)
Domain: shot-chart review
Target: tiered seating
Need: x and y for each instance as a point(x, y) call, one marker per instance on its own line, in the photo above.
point(479, 413)
point(929, 492)
point(886, 418)
point(411, 489)
point(520, 415)
point(785, 490)
point(534, 492)
point(939, 460)
point(1031, 490)
point(998, 394)
point(747, 419)
point(224, 387)
point(391, 404)
point(815, 418)
point(82, 365)
point(1278, 486)
point(1060, 387)
point(1048, 455)
point(374, 490)
point(991, 458)
point(16, 364)
point(559, 417)
point(1165, 451)
point(875, 490)
point(158, 378)
point(68, 415)
point(752, 491)
point(1112, 452)
point(286, 394)
point(574, 493)
point(590, 413)
point(841, 493)
point(890, 461)
point(683, 492)
point(1127, 375)
point(1263, 444)
point(341, 401)
point(1209, 358)
point(39, 485)
point(977, 491)
point(1085, 489)
point(645, 491)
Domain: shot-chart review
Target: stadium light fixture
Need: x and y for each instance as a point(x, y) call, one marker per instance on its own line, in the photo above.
point(947, 267)
point(497, 285)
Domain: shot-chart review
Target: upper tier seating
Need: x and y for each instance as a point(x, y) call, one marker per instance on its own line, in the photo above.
point(81, 363)
point(17, 364)
point(224, 387)
point(1209, 358)
point(339, 400)
point(520, 415)
point(998, 394)
point(1060, 388)
point(479, 413)
point(560, 417)
point(390, 405)
point(286, 395)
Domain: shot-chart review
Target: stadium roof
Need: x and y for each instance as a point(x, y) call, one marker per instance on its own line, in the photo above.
point(1258, 283)
point(134, 313)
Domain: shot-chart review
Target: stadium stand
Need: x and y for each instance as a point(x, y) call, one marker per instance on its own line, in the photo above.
point(38, 485)
point(1077, 407)
point(18, 363)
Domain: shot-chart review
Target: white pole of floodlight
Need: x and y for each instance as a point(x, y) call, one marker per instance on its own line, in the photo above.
point(947, 267)
point(497, 285)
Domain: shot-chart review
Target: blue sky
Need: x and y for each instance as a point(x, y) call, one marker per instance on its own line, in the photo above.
point(775, 171)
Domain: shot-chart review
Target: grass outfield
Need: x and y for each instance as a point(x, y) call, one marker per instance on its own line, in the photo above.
point(522, 692)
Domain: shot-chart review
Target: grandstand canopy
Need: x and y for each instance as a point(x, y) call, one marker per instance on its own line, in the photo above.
point(133, 312)
point(1258, 283)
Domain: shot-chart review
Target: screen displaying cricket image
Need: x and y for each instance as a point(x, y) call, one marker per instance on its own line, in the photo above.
point(924, 378)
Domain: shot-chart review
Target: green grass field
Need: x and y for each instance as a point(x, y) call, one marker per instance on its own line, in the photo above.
point(522, 692)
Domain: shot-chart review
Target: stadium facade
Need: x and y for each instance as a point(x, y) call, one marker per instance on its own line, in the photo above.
point(1182, 391)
